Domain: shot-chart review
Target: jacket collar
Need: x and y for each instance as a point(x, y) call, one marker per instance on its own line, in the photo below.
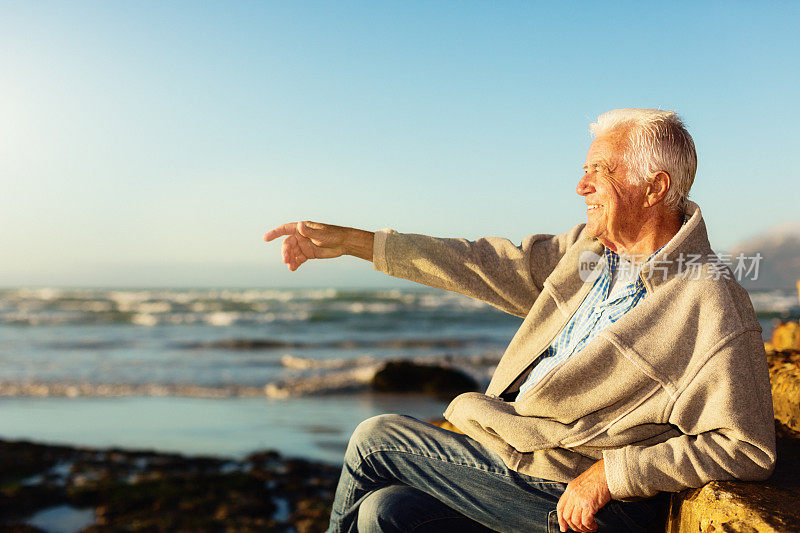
point(691, 242)
point(569, 288)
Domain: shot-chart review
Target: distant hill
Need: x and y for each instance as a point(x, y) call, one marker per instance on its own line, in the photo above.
point(780, 248)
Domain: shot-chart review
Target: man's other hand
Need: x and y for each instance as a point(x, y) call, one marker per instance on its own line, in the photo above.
point(313, 240)
point(584, 497)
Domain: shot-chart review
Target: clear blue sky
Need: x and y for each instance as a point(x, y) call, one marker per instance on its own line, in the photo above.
point(152, 143)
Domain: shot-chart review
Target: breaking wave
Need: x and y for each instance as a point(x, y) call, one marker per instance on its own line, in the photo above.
point(48, 306)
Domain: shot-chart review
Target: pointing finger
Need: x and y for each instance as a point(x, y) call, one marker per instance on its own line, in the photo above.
point(285, 229)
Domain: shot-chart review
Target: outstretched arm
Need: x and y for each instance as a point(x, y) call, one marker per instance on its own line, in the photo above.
point(490, 269)
point(314, 240)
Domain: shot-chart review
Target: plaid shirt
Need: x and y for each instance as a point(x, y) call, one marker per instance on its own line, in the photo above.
point(598, 311)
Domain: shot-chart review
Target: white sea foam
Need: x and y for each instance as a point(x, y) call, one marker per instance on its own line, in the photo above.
point(306, 363)
point(144, 319)
point(342, 381)
point(372, 307)
point(222, 318)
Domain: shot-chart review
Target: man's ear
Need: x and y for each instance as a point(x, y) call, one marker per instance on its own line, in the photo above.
point(657, 189)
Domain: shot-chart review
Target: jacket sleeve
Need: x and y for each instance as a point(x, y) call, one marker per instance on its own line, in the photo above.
point(725, 413)
point(491, 269)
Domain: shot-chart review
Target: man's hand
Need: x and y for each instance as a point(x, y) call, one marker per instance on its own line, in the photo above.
point(313, 240)
point(584, 497)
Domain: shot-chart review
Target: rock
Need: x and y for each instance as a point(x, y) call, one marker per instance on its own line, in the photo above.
point(148, 491)
point(723, 506)
point(714, 507)
point(405, 376)
point(770, 506)
point(784, 377)
point(444, 424)
point(786, 336)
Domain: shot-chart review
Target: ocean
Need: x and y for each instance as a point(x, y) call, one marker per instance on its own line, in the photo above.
point(229, 371)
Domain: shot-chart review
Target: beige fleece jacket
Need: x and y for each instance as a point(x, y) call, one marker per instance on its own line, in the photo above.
point(674, 394)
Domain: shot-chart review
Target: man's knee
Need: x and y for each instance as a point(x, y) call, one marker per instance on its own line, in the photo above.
point(377, 430)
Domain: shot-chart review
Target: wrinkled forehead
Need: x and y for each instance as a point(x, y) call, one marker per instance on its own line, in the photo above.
point(608, 148)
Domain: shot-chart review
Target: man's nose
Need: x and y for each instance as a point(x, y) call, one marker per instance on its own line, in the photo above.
point(584, 185)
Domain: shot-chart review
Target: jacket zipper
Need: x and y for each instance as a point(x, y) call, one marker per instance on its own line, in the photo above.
point(549, 343)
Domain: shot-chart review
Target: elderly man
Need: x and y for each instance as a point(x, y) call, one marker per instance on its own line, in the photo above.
point(628, 377)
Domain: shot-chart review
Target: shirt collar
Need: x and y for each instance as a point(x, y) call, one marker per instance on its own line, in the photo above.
point(612, 260)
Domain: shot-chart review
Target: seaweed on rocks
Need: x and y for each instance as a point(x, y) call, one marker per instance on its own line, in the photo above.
point(149, 491)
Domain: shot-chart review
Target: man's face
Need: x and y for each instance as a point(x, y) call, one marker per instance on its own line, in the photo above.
point(615, 208)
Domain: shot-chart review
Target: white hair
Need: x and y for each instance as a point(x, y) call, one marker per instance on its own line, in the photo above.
point(657, 141)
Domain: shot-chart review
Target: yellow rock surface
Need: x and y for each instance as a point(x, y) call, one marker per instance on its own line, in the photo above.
point(784, 377)
point(715, 507)
point(722, 506)
point(786, 336)
point(444, 424)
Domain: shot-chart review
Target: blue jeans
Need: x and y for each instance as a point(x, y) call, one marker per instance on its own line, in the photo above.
point(401, 475)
